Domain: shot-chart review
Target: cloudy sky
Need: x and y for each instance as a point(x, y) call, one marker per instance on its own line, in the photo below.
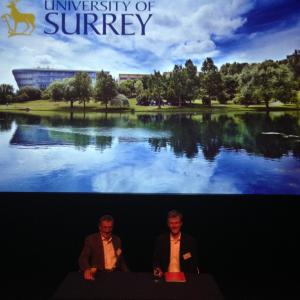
point(226, 30)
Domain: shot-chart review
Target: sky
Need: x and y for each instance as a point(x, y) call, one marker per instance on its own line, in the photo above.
point(226, 30)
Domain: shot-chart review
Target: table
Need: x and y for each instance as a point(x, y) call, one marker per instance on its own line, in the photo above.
point(133, 286)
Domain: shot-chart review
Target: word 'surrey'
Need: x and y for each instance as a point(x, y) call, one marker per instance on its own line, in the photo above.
point(124, 24)
point(98, 17)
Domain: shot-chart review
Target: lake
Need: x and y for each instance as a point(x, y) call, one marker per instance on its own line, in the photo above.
point(198, 153)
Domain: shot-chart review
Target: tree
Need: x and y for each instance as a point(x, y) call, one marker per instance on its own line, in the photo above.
point(105, 88)
point(156, 88)
point(208, 66)
point(266, 82)
point(70, 91)
point(56, 89)
point(139, 88)
point(170, 92)
point(232, 68)
point(211, 85)
point(144, 98)
point(230, 84)
point(294, 63)
point(127, 88)
point(192, 83)
point(246, 95)
point(6, 93)
point(284, 86)
point(145, 81)
point(177, 84)
point(83, 87)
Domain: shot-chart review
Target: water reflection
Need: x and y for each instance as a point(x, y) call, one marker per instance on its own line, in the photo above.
point(173, 153)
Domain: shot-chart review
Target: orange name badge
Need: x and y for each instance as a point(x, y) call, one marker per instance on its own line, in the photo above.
point(187, 255)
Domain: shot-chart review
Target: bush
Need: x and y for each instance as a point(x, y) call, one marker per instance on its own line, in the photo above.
point(22, 97)
point(143, 99)
point(31, 92)
point(46, 95)
point(120, 100)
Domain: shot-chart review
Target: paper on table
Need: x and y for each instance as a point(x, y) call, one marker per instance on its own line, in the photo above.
point(175, 277)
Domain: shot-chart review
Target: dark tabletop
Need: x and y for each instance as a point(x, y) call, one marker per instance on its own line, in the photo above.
point(129, 285)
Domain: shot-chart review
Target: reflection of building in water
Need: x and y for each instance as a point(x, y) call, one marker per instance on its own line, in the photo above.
point(37, 136)
point(124, 77)
point(41, 78)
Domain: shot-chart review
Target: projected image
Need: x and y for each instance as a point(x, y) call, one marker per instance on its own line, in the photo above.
point(150, 96)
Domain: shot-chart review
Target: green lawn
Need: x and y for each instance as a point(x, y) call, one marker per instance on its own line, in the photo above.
point(46, 105)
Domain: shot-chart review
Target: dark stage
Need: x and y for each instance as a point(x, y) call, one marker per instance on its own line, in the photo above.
point(248, 243)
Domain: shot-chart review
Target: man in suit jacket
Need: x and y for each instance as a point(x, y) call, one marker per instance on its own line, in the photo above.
point(175, 251)
point(102, 251)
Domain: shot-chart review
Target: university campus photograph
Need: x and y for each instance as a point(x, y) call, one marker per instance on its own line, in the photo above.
point(150, 149)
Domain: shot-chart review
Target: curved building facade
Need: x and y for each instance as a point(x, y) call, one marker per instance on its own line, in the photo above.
point(42, 78)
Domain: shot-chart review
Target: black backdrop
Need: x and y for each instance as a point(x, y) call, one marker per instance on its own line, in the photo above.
point(248, 243)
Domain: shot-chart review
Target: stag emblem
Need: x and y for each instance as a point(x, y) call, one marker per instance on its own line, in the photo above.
point(15, 17)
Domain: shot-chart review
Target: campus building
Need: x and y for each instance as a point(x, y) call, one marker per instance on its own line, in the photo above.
point(295, 55)
point(124, 77)
point(41, 78)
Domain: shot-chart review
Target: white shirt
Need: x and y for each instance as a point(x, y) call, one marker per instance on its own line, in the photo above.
point(174, 265)
point(110, 258)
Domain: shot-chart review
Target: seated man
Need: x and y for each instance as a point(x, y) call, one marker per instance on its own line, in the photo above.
point(175, 251)
point(102, 250)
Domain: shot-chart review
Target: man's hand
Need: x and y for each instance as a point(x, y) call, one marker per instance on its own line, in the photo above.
point(158, 272)
point(89, 274)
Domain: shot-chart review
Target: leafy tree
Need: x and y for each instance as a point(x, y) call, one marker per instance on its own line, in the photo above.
point(144, 98)
point(83, 87)
point(127, 88)
point(70, 91)
point(192, 83)
point(170, 92)
point(232, 68)
point(156, 88)
point(56, 89)
point(266, 82)
point(177, 85)
point(230, 84)
point(145, 81)
point(139, 88)
point(208, 66)
point(283, 85)
point(105, 88)
point(211, 85)
point(294, 63)
point(6, 93)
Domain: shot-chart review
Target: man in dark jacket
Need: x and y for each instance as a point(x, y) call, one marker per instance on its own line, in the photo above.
point(175, 251)
point(102, 251)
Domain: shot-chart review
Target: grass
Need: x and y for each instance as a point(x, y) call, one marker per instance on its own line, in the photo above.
point(57, 107)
